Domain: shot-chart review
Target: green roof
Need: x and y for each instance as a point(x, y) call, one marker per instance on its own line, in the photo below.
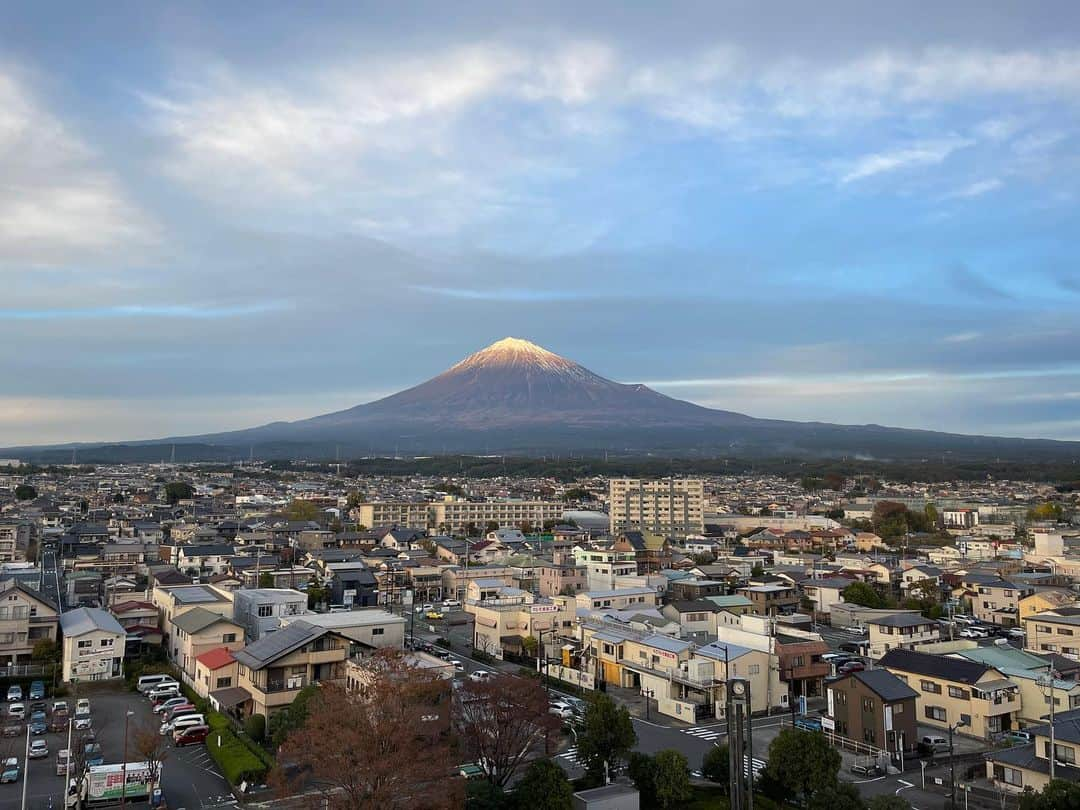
point(1013, 663)
point(734, 600)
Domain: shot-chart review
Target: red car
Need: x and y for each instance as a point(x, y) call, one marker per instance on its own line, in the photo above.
point(853, 666)
point(190, 736)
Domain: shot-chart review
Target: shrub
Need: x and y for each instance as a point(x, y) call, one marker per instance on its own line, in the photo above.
point(255, 727)
point(235, 760)
point(217, 720)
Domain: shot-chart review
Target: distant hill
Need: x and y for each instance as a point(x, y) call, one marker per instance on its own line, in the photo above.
point(516, 397)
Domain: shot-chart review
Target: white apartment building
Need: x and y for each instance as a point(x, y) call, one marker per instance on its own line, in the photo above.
point(603, 566)
point(404, 514)
point(666, 506)
point(13, 537)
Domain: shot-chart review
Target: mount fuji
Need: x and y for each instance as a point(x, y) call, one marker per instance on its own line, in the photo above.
point(516, 397)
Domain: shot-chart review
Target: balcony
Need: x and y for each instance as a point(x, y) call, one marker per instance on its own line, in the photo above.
point(287, 684)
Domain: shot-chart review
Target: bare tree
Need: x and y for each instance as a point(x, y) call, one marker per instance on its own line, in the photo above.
point(384, 744)
point(152, 748)
point(500, 720)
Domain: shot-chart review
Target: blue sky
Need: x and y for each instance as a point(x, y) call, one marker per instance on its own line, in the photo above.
point(826, 211)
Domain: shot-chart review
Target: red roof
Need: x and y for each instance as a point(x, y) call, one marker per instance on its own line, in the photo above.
point(132, 604)
point(216, 658)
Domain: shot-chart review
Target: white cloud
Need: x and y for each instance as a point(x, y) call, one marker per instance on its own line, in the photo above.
point(55, 202)
point(926, 153)
point(976, 189)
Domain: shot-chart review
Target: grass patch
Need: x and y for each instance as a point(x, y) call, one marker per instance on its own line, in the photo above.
point(237, 762)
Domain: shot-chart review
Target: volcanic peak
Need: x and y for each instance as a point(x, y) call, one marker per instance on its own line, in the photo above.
point(512, 352)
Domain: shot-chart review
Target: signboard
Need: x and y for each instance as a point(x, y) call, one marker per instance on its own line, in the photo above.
point(828, 723)
point(832, 708)
point(543, 608)
point(105, 782)
point(888, 718)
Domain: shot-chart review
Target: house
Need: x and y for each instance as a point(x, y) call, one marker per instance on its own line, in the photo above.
point(922, 579)
point(953, 690)
point(1029, 672)
point(214, 669)
point(769, 600)
point(902, 629)
point(1054, 631)
point(694, 588)
point(352, 584)
point(140, 620)
point(695, 617)
point(605, 565)
point(616, 599)
point(195, 631)
point(93, 645)
point(562, 579)
point(1045, 599)
point(173, 601)
point(272, 671)
point(1025, 767)
point(372, 628)
point(996, 600)
point(505, 616)
point(873, 707)
point(205, 559)
point(259, 610)
point(27, 616)
point(825, 592)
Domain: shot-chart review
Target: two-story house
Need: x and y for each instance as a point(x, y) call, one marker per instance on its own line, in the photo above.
point(259, 610)
point(904, 630)
point(1022, 767)
point(998, 601)
point(1054, 631)
point(954, 690)
point(874, 707)
point(272, 671)
point(196, 631)
point(26, 617)
point(769, 600)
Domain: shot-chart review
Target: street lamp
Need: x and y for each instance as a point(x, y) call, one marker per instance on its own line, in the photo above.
point(952, 762)
point(123, 767)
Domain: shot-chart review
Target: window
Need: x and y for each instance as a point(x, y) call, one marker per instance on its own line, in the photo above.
point(957, 692)
point(1010, 776)
point(106, 642)
point(227, 638)
point(1063, 753)
point(85, 643)
point(755, 669)
point(965, 719)
point(868, 706)
point(1046, 700)
point(223, 682)
point(930, 686)
point(935, 713)
point(378, 631)
point(266, 610)
point(898, 708)
point(1062, 631)
point(797, 661)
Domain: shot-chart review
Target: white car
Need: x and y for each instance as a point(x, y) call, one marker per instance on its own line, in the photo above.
point(857, 629)
point(17, 710)
point(38, 749)
point(165, 705)
point(564, 711)
point(82, 722)
point(82, 706)
point(480, 675)
point(1016, 632)
point(460, 667)
point(167, 689)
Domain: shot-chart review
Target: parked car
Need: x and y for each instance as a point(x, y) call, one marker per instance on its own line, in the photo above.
point(165, 705)
point(831, 657)
point(869, 769)
point(82, 722)
point(93, 755)
point(932, 742)
point(17, 710)
point(853, 666)
point(1020, 737)
point(62, 757)
point(166, 690)
point(181, 723)
point(808, 723)
point(14, 692)
point(59, 723)
point(1016, 632)
point(424, 608)
point(39, 706)
point(848, 646)
point(433, 614)
point(12, 731)
point(190, 736)
point(480, 675)
point(178, 711)
point(451, 604)
point(37, 690)
point(10, 771)
point(39, 749)
point(857, 629)
point(38, 723)
point(82, 706)
point(60, 707)
point(148, 682)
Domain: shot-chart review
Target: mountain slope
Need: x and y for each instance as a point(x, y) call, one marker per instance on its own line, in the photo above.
point(516, 397)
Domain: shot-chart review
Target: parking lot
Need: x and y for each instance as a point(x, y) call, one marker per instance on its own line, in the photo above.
point(189, 777)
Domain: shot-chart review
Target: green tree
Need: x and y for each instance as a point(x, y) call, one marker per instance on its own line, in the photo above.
point(606, 736)
point(715, 765)
point(1049, 510)
point(888, 802)
point(862, 593)
point(802, 763)
point(837, 796)
point(544, 787)
point(46, 651)
point(299, 509)
point(25, 492)
point(578, 494)
point(355, 498)
point(529, 645)
point(811, 483)
point(293, 717)
point(1057, 795)
point(255, 727)
point(641, 768)
point(671, 779)
point(758, 570)
point(266, 580)
point(176, 491)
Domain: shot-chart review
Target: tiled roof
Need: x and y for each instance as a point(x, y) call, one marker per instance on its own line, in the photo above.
point(918, 663)
point(216, 658)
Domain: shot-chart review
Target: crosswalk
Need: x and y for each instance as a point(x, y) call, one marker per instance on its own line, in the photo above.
point(709, 733)
point(570, 755)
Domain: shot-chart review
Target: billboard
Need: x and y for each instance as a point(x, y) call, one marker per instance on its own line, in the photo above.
point(105, 782)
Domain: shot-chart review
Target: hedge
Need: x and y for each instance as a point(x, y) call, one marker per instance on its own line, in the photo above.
point(236, 760)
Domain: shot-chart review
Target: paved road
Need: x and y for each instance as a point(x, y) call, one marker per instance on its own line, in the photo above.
point(51, 577)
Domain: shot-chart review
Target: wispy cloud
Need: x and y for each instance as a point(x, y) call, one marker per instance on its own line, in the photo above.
point(506, 294)
point(926, 153)
point(976, 189)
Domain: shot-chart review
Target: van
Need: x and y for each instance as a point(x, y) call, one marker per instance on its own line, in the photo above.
point(166, 689)
point(63, 758)
point(934, 743)
point(190, 736)
point(1019, 737)
point(183, 723)
point(148, 682)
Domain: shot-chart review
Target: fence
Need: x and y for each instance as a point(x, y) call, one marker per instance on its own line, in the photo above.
point(22, 670)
